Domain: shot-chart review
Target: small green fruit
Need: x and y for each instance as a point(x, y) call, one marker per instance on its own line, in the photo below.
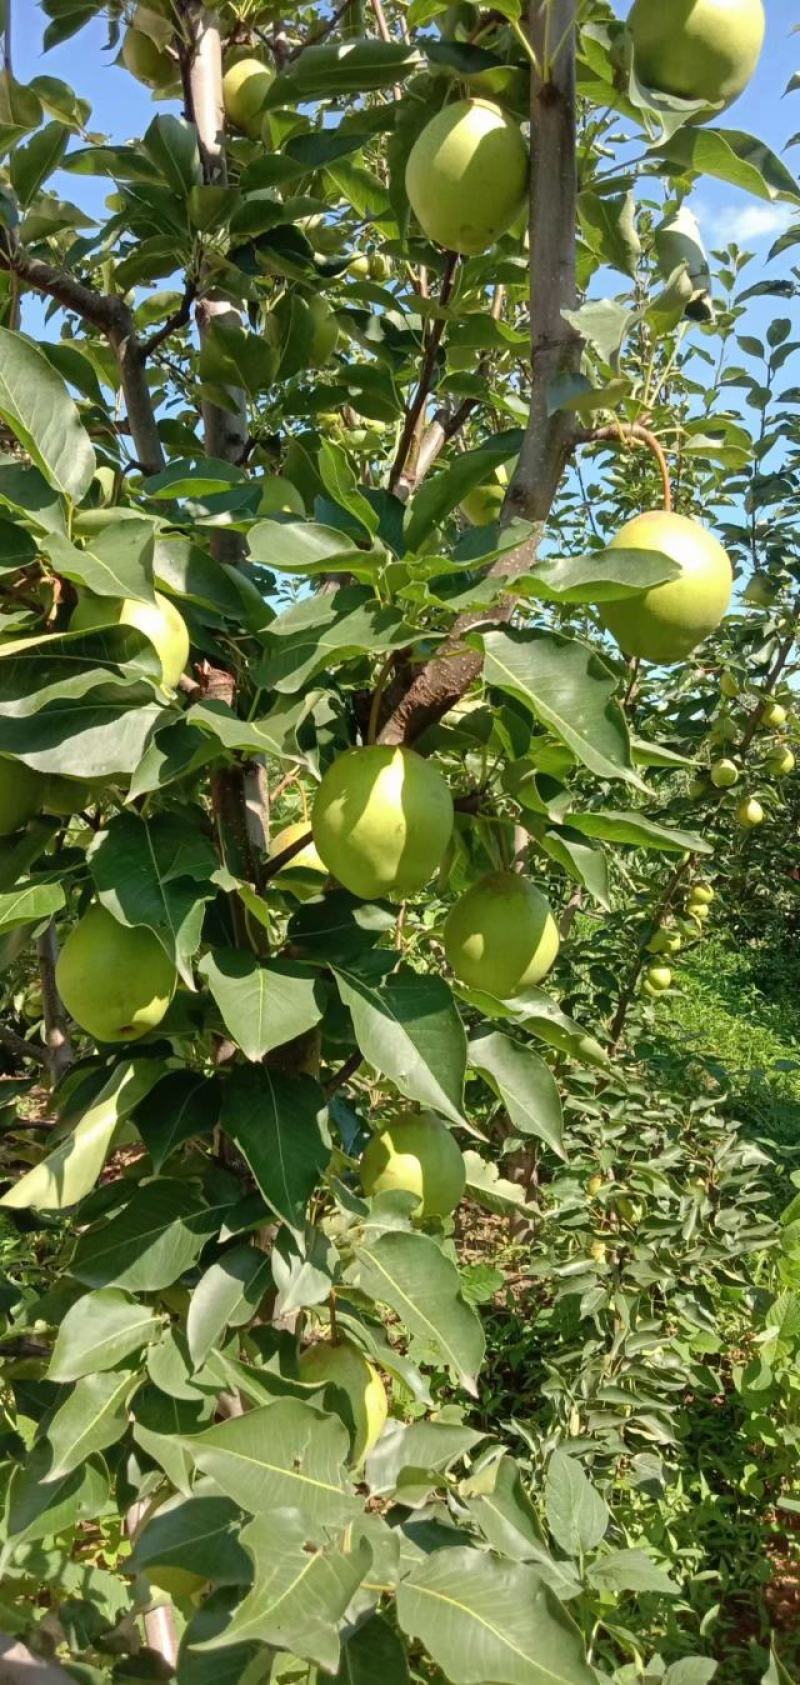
point(697, 49)
point(772, 716)
point(466, 176)
point(245, 86)
point(359, 266)
point(703, 893)
point(723, 730)
point(280, 497)
point(380, 267)
point(342, 1365)
point(598, 1251)
point(21, 793)
point(749, 812)
point(698, 910)
point(382, 819)
point(594, 1185)
point(416, 1154)
point(304, 874)
point(501, 936)
point(664, 942)
point(780, 762)
point(159, 621)
point(484, 503)
point(667, 622)
point(729, 685)
point(659, 977)
point(115, 980)
point(696, 788)
point(724, 774)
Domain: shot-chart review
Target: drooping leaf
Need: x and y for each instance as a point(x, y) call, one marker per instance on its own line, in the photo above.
point(157, 872)
point(481, 1618)
point(40, 1507)
point(409, 1273)
point(408, 1028)
point(283, 1455)
point(117, 563)
point(149, 1241)
point(36, 405)
point(630, 1570)
point(278, 1124)
point(638, 832)
point(373, 1652)
point(199, 1535)
point(565, 685)
point(263, 1006)
point(226, 1296)
point(91, 1418)
point(98, 1331)
point(499, 1504)
point(182, 1104)
point(68, 1173)
point(29, 903)
point(523, 1082)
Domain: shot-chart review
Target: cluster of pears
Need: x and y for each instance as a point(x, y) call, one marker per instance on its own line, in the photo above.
point(667, 941)
point(778, 761)
point(382, 821)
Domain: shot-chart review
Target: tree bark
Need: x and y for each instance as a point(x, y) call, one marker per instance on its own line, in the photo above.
point(56, 1033)
point(555, 351)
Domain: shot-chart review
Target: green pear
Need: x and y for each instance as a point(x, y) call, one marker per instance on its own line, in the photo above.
point(417, 1154)
point(659, 977)
point(702, 893)
point(304, 875)
point(382, 819)
point(724, 774)
point(159, 621)
point(21, 795)
point(780, 762)
point(697, 49)
point(729, 684)
point(467, 175)
point(749, 812)
point(772, 715)
point(484, 503)
point(340, 1364)
point(665, 623)
point(501, 936)
point(245, 86)
point(115, 980)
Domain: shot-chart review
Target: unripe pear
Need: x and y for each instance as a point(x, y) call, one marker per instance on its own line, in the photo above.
point(280, 497)
point(724, 774)
point(664, 942)
point(416, 1153)
point(729, 684)
point(749, 812)
point(304, 874)
point(772, 715)
point(659, 977)
point(723, 730)
point(115, 980)
point(697, 787)
point(665, 623)
point(342, 1365)
point(594, 1185)
point(159, 621)
point(359, 266)
point(466, 176)
point(484, 503)
point(501, 936)
point(780, 762)
point(699, 911)
point(703, 893)
point(697, 49)
point(678, 242)
point(245, 86)
point(382, 819)
point(21, 795)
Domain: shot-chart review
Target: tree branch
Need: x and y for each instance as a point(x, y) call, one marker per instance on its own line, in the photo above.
point(555, 350)
point(21, 1048)
point(56, 1033)
point(178, 319)
point(623, 432)
point(418, 402)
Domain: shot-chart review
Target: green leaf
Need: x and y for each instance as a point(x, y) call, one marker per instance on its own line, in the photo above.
point(157, 872)
point(340, 483)
point(35, 404)
point(225, 1297)
point(730, 156)
point(182, 1104)
point(600, 576)
point(149, 1242)
point(576, 1514)
point(17, 549)
point(588, 866)
point(489, 1188)
point(481, 1618)
point(630, 1570)
point(322, 630)
point(93, 1416)
point(498, 1502)
point(544, 1018)
point(565, 685)
point(300, 1592)
point(171, 143)
point(307, 547)
point(694, 1670)
point(350, 67)
point(263, 1006)
point(609, 228)
point(275, 734)
point(70, 1171)
point(776, 1673)
point(524, 1084)
point(410, 1274)
point(441, 493)
point(98, 1331)
point(637, 831)
point(408, 1028)
point(373, 1652)
point(277, 1123)
point(408, 1448)
point(29, 903)
point(199, 1535)
point(40, 1507)
point(284, 1455)
point(32, 164)
point(118, 562)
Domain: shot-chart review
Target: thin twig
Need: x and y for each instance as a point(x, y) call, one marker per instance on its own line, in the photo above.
point(422, 393)
point(377, 697)
point(56, 1033)
point(178, 319)
point(624, 432)
point(21, 1048)
point(344, 1073)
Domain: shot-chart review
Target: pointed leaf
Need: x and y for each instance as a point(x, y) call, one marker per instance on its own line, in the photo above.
point(285, 1454)
point(93, 1416)
point(637, 831)
point(98, 1331)
point(523, 1082)
point(408, 1028)
point(35, 404)
point(409, 1273)
point(117, 562)
point(262, 1006)
point(149, 1241)
point(199, 1535)
point(69, 1172)
point(225, 1297)
point(576, 1514)
point(277, 1121)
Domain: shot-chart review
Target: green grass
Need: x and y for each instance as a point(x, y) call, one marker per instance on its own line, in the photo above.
point(734, 1017)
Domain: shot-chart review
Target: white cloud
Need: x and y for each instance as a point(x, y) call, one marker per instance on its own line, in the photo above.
point(742, 223)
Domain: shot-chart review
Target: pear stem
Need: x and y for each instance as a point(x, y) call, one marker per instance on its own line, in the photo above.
point(632, 432)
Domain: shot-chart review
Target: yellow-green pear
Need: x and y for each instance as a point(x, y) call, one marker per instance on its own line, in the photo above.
point(667, 622)
point(698, 910)
point(484, 503)
point(772, 715)
point(749, 812)
point(382, 819)
point(467, 175)
point(703, 893)
point(159, 621)
point(664, 942)
point(723, 730)
point(724, 774)
point(342, 1365)
point(359, 266)
point(659, 977)
point(280, 497)
point(780, 762)
point(501, 936)
point(594, 1185)
point(679, 244)
point(245, 86)
point(697, 49)
point(304, 875)
point(21, 792)
point(115, 980)
point(417, 1154)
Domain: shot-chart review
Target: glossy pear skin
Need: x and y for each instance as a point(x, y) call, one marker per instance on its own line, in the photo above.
point(416, 1154)
point(467, 175)
point(501, 935)
point(115, 980)
point(697, 49)
point(382, 820)
point(667, 622)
